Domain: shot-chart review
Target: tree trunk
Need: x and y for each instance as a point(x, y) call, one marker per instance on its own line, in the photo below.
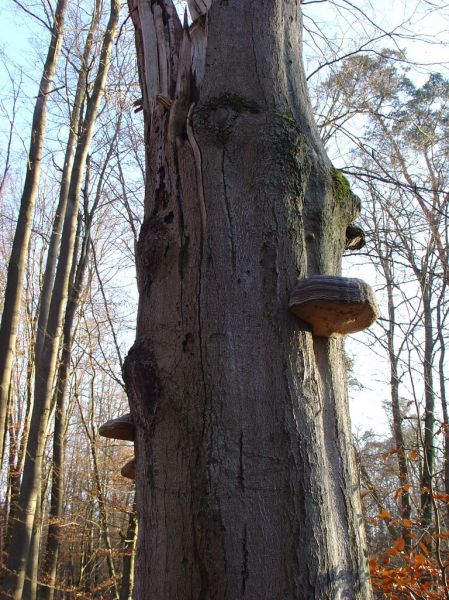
point(129, 553)
point(57, 484)
point(19, 253)
point(30, 585)
point(403, 472)
point(245, 476)
point(443, 398)
point(85, 562)
point(429, 414)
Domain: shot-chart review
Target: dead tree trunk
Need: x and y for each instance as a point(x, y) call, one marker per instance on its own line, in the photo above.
point(245, 477)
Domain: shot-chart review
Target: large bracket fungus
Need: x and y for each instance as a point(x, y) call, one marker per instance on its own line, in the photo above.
point(334, 306)
point(121, 428)
point(129, 469)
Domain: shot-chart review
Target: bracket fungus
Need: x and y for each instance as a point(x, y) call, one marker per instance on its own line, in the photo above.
point(121, 428)
point(355, 238)
point(129, 469)
point(334, 306)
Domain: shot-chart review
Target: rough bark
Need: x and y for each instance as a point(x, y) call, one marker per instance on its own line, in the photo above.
point(19, 252)
point(245, 478)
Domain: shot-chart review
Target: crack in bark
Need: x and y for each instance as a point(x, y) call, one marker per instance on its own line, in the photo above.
point(253, 45)
point(200, 187)
point(245, 572)
point(228, 213)
point(241, 476)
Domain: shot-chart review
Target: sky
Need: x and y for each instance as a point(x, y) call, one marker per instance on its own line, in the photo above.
point(424, 36)
point(337, 28)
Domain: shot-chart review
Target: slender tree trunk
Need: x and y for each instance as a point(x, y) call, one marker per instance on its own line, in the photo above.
point(377, 500)
point(12, 125)
point(246, 485)
point(32, 572)
point(404, 478)
point(17, 261)
point(429, 415)
point(56, 505)
point(17, 454)
point(443, 397)
point(57, 488)
point(129, 553)
point(31, 584)
point(86, 550)
point(46, 365)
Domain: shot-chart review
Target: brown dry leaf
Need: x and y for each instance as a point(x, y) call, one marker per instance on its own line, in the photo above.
point(384, 514)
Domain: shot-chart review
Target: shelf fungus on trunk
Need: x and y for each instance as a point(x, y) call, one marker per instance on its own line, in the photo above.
point(121, 428)
point(334, 306)
point(355, 238)
point(129, 469)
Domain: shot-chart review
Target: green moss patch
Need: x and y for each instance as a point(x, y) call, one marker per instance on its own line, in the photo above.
point(340, 184)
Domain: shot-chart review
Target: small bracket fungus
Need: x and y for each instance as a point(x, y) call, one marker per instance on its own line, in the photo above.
point(355, 238)
point(129, 469)
point(334, 306)
point(138, 105)
point(121, 428)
